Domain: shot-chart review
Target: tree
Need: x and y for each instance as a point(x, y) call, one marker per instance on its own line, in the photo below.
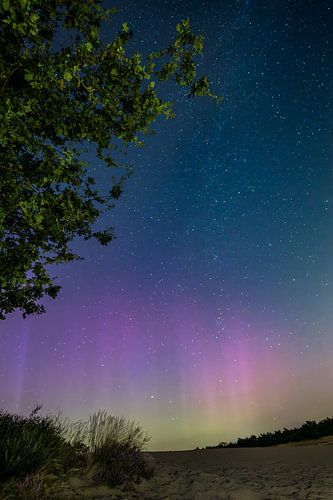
point(62, 89)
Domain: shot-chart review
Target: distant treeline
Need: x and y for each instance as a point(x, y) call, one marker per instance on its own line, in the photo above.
point(310, 430)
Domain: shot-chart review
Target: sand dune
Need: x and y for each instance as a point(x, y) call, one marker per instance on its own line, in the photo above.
point(294, 471)
point(302, 471)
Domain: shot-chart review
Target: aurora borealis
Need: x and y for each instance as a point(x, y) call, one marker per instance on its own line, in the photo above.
point(210, 315)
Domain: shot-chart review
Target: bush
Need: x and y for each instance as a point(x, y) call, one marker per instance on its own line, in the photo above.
point(32, 487)
point(35, 448)
point(30, 444)
point(115, 448)
point(102, 427)
point(119, 463)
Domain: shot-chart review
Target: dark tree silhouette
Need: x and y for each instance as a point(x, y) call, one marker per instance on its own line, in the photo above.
point(309, 430)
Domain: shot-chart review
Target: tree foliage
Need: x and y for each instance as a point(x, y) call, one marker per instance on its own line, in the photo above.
point(61, 89)
point(309, 430)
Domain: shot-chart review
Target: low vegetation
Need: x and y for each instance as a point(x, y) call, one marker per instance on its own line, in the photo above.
point(309, 430)
point(38, 453)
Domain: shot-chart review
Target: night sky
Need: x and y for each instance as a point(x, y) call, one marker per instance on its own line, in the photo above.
point(210, 315)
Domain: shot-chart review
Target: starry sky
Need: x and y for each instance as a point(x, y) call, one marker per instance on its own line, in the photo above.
point(210, 315)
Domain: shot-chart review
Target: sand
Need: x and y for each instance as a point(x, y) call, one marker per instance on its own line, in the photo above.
point(285, 471)
point(298, 471)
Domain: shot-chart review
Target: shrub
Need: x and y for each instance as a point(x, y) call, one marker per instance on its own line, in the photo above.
point(31, 487)
point(115, 448)
point(35, 448)
point(119, 463)
point(29, 444)
point(102, 427)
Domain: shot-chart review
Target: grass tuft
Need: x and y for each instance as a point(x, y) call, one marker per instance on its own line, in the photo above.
point(36, 450)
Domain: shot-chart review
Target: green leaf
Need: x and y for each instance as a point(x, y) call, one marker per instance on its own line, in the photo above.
point(68, 76)
point(6, 4)
point(29, 76)
point(94, 33)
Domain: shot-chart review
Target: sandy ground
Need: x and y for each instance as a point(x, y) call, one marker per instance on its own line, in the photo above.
point(285, 471)
point(299, 471)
